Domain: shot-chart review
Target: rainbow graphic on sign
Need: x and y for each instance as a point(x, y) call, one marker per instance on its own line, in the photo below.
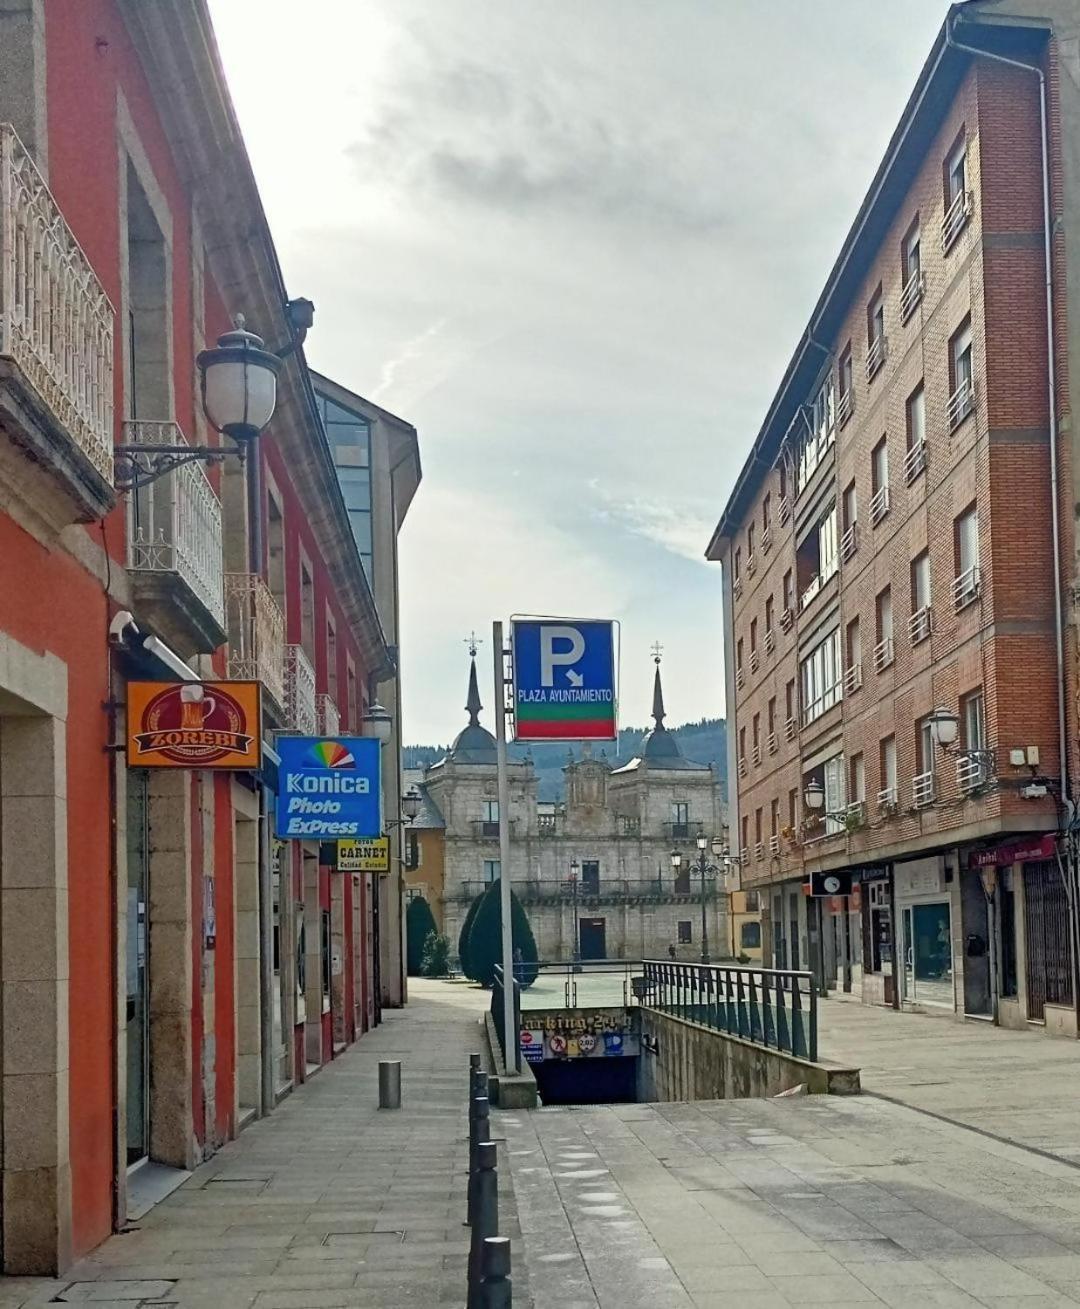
point(331, 754)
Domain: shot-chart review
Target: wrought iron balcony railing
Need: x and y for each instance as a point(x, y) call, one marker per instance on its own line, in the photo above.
point(653, 890)
point(879, 505)
point(961, 403)
point(911, 294)
point(256, 634)
point(956, 217)
point(915, 462)
point(922, 789)
point(176, 522)
point(56, 322)
point(300, 711)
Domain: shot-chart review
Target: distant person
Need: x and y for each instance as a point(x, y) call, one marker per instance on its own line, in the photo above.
point(671, 951)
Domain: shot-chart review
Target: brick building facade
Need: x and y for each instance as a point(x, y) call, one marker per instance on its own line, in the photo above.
point(888, 552)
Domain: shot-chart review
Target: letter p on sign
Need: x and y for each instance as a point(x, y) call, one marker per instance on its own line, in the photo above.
point(550, 658)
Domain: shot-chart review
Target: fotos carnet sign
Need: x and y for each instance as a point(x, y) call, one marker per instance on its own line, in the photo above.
point(364, 856)
point(328, 787)
point(194, 725)
point(564, 679)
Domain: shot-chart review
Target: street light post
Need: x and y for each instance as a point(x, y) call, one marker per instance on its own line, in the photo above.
point(576, 952)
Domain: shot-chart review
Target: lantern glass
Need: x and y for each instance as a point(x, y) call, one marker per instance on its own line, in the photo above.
point(944, 726)
point(676, 860)
point(239, 384)
point(703, 843)
point(718, 846)
point(378, 723)
point(814, 795)
point(410, 804)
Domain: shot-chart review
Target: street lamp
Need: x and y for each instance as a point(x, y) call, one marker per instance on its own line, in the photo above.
point(944, 731)
point(377, 723)
point(411, 803)
point(238, 383)
point(573, 880)
point(708, 873)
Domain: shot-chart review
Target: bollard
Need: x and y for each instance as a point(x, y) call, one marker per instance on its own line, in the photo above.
point(390, 1084)
point(474, 1068)
point(496, 1289)
point(485, 1215)
point(479, 1133)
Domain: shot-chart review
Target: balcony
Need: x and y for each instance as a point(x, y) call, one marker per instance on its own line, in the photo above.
point(973, 772)
point(740, 679)
point(787, 617)
point(327, 714)
point(175, 548)
point(751, 566)
point(608, 890)
point(486, 829)
point(961, 404)
point(754, 661)
point(757, 753)
point(922, 790)
point(915, 462)
point(791, 728)
point(784, 510)
point(845, 407)
point(852, 678)
point(547, 824)
point(849, 542)
point(911, 295)
point(879, 505)
point(300, 711)
point(685, 831)
point(774, 844)
point(921, 624)
point(56, 348)
point(766, 539)
point(955, 220)
point(742, 765)
point(883, 654)
point(629, 825)
point(966, 587)
point(887, 801)
point(759, 851)
point(770, 640)
point(736, 587)
point(855, 815)
point(256, 635)
point(876, 353)
point(771, 743)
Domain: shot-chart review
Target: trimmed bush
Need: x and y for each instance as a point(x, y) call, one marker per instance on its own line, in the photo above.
point(464, 958)
point(485, 939)
point(436, 961)
point(419, 924)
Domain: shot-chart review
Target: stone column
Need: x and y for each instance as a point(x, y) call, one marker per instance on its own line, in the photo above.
point(246, 984)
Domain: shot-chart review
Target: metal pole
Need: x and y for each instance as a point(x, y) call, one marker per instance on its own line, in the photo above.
point(496, 1290)
point(390, 1084)
point(511, 1040)
point(845, 943)
point(704, 916)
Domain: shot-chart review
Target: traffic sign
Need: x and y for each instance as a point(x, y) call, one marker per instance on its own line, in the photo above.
point(564, 679)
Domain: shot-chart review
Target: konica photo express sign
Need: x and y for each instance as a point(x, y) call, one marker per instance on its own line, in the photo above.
point(328, 788)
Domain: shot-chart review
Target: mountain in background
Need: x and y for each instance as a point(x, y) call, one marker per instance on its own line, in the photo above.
point(704, 742)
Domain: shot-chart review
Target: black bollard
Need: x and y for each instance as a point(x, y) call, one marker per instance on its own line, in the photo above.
point(479, 1132)
point(485, 1215)
point(496, 1289)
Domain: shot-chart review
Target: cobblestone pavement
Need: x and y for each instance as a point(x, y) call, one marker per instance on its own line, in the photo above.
point(1021, 1086)
point(327, 1202)
point(754, 1204)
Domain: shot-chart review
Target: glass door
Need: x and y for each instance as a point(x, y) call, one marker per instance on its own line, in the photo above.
point(928, 971)
point(137, 970)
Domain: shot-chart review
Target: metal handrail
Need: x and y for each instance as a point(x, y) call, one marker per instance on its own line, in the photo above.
point(774, 1008)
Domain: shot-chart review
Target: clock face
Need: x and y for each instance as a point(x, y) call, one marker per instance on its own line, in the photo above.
point(832, 885)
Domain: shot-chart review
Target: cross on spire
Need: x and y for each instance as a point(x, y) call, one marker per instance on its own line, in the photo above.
point(474, 642)
point(657, 653)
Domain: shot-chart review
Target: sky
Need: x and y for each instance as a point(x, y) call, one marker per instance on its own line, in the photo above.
point(575, 245)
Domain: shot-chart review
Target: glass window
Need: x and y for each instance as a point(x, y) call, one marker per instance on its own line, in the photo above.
point(835, 794)
point(858, 777)
point(916, 417)
point(960, 357)
point(753, 635)
point(888, 763)
point(789, 589)
point(738, 563)
point(956, 173)
point(771, 718)
point(742, 742)
point(879, 466)
point(793, 808)
point(768, 613)
point(766, 512)
point(774, 817)
point(821, 677)
point(738, 655)
point(966, 544)
point(757, 826)
point(750, 936)
point(680, 813)
point(884, 616)
point(789, 699)
point(750, 541)
point(685, 931)
point(854, 644)
point(491, 870)
point(851, 509)
point(757, 732)
point(920, 582)
point(491, 811)
point(875, 318)
point(819, 435)
point(846, 372)
point(972, 721)
point(910, 254)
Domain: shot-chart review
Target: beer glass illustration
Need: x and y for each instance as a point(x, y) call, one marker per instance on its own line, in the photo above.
point(195, 705)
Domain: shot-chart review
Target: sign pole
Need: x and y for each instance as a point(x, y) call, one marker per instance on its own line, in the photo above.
point(511, 1038)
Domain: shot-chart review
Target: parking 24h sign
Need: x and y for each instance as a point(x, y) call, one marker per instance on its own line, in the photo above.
point(564, 679)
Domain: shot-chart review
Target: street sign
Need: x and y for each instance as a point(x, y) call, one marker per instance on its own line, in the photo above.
point(564, 679)
point(364, 856)
point(328, 788)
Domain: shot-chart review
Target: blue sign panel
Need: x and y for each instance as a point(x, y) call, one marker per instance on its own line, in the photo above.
point(328, 787)
point(564, 679)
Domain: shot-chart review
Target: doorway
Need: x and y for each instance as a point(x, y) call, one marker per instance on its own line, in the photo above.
point(592, 933)
point(1046, 931)
point(927, 946)
point(137, 969)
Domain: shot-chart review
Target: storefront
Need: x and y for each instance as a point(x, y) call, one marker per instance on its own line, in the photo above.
point(924, 933)
point(875, 897)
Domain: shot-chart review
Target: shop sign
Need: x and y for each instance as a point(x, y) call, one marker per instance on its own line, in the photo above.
point(194, 725)
point(364, 856)
point(328, 788)
point(828, 884)
point(1016, 852)
point(578, 1034)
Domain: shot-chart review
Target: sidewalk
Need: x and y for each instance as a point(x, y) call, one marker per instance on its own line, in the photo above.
point(1019, 1086)
point(327, 1203)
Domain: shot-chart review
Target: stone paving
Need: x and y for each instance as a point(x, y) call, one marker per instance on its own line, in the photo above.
point(327, 1203)
point(768, 1204)
point(1021, 1086)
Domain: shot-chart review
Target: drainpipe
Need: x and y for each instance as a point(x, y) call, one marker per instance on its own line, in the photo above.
point(1051, 384)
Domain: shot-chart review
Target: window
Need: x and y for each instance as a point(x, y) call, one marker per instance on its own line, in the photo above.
point(879, 466)
point(756, 736)
point(956, 173)
point(307, 610)
point(326, 951)
point(960, 366)
point(924, 746)
point(916, 418)
point(491, 813)
point(680, 813)
point(774, 818)
point(745, 834)
point(590, 876)
point(766, 513)
point(738, 658)
point(789, 700)
point(972, 721)
point(920, 582)
point(783, 481)
point(789, 590)
point(966, 541)
point(349, 436)
point(768, 614)
point(742, 745)
point(331, 660)
point(492, 869)
point(853, 642)
point(883, 615)
point(275, 549)
point(793, 808)
point(738, 564)
point(887, 765)
point(771, 716)
point(820, 433)
point(817, 559)
point(750, 541)
point(857, 782)
point(753, 636)
point(821, 677)
point(750, 936)
point(835, 794)
point(685, 929)
point(875, 333)
point(850, 514)
point(910, 257)
point(757, 826)
point(846, 374)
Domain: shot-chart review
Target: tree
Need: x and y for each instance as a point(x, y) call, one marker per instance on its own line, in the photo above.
point(419, 922)
point(464, 957)
point(485, 939)
point(436, 962)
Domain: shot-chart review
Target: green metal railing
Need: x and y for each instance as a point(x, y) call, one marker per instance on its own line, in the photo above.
point(770, 1007)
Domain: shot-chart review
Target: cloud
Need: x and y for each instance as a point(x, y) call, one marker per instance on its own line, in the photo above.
point(410, 351)
point(677, 528)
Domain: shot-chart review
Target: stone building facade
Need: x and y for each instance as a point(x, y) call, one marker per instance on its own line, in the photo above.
point(594, 873)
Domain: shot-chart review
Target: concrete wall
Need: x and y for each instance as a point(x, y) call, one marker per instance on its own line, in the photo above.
point(695, 1063)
